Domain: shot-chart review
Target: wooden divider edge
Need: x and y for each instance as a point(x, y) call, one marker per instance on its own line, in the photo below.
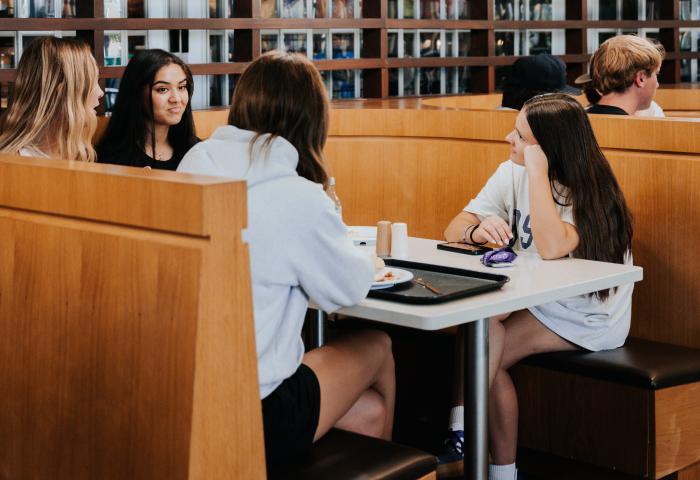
point(677, 427)
point(142, 198)
point(227, 434)
point(672, 100)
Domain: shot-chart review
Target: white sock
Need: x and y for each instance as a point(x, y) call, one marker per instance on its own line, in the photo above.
point(457, 418)
point(503, 472)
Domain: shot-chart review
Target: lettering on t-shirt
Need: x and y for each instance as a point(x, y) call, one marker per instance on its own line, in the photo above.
point(526, 239)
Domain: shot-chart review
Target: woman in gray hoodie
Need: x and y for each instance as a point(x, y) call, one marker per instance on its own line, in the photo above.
point(299, 250)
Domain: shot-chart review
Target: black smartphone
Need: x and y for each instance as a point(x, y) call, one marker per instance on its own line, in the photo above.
point(463, 248)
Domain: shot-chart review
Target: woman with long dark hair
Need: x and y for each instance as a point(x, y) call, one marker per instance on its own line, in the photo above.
point(556, 196)
point(299, 250)
point(151, 124)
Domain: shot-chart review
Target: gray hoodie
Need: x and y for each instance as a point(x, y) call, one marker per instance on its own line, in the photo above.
point(299, 247)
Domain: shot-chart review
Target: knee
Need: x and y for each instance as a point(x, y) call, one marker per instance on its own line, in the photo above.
point(497, 331)
point(498, 318)
point(380, 341)
point(384, 340)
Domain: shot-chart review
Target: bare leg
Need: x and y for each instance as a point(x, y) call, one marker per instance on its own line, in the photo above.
point(524, 336)
point(367, 416)
point(358, 387)
point(503, 420)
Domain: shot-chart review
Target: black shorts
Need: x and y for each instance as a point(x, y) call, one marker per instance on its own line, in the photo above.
point(290, 416)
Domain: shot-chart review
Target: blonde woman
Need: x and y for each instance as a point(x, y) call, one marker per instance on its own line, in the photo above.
point(52, 113)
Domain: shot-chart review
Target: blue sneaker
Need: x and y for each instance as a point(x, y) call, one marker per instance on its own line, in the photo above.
point(451, 458)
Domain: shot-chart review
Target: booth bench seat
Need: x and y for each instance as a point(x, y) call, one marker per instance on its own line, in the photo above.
point(346, 455)
point(633, 410)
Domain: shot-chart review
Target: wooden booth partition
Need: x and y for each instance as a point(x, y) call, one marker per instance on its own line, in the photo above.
point(676, 101)
point(126, 331)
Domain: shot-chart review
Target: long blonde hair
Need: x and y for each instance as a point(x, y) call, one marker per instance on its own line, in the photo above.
point(55, 78)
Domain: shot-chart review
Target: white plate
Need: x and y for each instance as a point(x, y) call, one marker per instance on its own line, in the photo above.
point(363, 235)
point(400, 276)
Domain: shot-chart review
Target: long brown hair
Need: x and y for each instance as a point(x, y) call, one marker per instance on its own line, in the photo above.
point(282, 94)
point(55, 78)
point(579, 168)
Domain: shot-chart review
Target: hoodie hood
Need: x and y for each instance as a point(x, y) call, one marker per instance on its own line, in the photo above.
point(273, 160)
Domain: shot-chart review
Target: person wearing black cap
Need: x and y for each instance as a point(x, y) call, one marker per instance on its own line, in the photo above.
point(535, 75)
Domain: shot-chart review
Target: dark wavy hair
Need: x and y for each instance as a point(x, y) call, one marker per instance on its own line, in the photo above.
point(592, 95)
point(133, 118)
point(282, 94)
point(577, 165)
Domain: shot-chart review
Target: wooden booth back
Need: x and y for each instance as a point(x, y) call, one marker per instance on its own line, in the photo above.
point(126, 332)
point(676, 102)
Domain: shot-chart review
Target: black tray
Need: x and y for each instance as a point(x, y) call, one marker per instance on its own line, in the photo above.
point(453, 283)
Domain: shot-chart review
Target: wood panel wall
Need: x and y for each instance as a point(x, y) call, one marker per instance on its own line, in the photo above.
point(127, 338)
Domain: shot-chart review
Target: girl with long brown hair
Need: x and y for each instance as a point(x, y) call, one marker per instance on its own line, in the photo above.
point(556, 196)
point(299, 250)
point(52, 113)
point(151, 123)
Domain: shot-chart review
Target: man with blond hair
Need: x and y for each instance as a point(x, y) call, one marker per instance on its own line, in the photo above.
point(624, 70)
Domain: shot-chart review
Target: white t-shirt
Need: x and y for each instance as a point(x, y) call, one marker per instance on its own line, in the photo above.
point(32, 152)
point(583, 320)
point(654, 110)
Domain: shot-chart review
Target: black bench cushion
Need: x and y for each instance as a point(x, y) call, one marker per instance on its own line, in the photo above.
point(345, 455)
point(640, 363)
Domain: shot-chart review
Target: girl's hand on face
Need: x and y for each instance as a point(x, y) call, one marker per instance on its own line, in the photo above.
point(535, 160)
point(495, 230)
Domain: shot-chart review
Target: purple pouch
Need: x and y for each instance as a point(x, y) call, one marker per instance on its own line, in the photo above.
point(503, 257)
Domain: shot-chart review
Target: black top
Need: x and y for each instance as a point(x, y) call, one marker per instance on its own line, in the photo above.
point(144, 160)
point(606, 110)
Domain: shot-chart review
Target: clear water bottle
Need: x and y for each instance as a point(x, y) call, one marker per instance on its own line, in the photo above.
point(334, 196)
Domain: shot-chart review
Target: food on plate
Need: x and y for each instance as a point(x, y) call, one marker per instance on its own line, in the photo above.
point(379, 268)
point(378, 264)
point(384, 275)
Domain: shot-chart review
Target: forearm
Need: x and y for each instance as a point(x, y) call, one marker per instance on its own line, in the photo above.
point(555, 238)
point(455, 230)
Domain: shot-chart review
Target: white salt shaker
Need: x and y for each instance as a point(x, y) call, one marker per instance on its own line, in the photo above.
point(399, 241)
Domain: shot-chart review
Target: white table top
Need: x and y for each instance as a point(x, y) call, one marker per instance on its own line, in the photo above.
point(533, 281)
